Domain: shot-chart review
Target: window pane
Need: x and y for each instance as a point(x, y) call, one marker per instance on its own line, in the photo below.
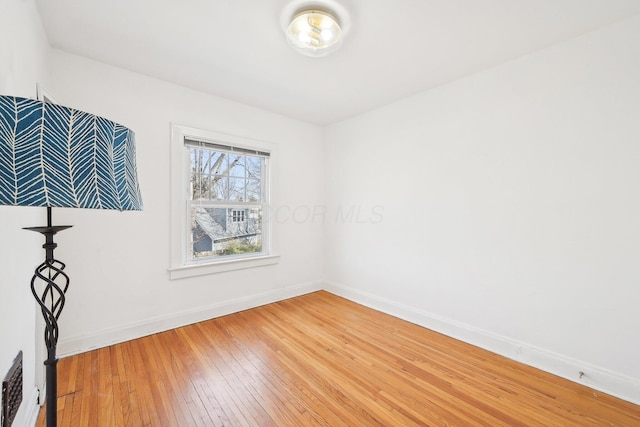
point(196, 187)
point(237, 190)
point(225, 231)
point(254, 167)
point(208, 192)
point(237, 166)
point(205, 161)
point(217, 163)
point(219, 188)
point(253, 190)
point(195, 181)
point(194, 159)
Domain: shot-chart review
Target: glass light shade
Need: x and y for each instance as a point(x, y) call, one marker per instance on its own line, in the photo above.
point(314, 33)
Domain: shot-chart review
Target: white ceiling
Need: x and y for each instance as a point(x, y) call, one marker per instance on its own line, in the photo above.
point(236, 48)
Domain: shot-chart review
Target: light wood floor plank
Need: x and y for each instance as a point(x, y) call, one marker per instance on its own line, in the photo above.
point(317, 360)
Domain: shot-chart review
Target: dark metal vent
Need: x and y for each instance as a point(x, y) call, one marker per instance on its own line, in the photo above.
point(12, 392)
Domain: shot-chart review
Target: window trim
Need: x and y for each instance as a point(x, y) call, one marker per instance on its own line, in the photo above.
point(180, 267)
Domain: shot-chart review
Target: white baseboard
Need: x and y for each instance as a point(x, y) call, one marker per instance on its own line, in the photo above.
point(79, 344)
point(28, 413)
point(595, 377)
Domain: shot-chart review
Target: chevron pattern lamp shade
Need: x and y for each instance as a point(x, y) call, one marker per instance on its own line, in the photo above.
point(56, 156)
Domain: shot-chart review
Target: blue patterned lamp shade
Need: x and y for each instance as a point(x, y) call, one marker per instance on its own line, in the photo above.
point(56, 156)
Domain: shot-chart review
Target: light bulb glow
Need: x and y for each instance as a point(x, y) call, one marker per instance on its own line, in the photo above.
point(304, 38)
point(314, 32)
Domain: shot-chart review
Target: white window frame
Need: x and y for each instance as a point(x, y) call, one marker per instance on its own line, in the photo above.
point(181, 267)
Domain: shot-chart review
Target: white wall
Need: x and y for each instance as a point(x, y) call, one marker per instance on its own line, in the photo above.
point(22, 65)
point(120, 287)
point(501, 208)
point(511, 208)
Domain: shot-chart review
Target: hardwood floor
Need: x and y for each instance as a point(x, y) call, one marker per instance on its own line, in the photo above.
point(317, 360)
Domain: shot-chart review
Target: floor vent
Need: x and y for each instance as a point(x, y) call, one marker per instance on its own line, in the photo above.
point(12, 392)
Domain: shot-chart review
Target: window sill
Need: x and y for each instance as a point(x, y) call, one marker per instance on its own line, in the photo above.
point(193, 270)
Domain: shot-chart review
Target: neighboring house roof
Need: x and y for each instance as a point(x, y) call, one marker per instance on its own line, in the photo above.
point(207, 219)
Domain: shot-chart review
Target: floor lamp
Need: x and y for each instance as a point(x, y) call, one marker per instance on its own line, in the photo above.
point(55, 156)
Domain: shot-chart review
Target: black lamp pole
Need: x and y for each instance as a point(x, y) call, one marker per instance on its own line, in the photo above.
point(51, 300)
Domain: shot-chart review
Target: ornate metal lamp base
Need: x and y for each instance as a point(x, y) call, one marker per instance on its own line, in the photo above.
point(49, 285)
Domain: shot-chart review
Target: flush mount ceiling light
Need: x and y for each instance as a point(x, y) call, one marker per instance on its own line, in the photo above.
point(315, 32)
point(315, 29)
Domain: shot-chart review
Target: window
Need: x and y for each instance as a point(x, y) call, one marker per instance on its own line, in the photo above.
point(221, 201)
point(238, 215)
point(226, 200)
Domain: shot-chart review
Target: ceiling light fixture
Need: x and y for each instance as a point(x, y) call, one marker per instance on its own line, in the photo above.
point(315, 32)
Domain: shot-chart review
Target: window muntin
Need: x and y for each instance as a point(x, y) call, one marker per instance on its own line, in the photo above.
point(226, 202)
